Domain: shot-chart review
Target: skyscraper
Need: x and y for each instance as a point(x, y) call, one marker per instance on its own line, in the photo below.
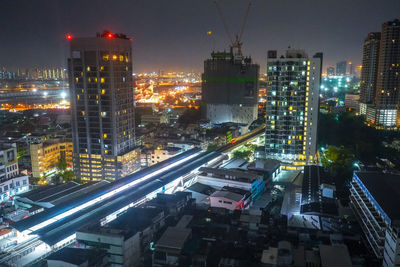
point(292, 107)
point(351, 69)
point(341, 68)
point(369, 70)
point(330, 71)
point(230, 87)
point(380, 80)
point(388, 80)
point(102, 106)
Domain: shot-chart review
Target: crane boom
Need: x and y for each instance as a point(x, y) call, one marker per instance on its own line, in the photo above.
point(244, 21)
point(223, 21)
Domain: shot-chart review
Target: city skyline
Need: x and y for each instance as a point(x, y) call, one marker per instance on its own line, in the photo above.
point(165, 37)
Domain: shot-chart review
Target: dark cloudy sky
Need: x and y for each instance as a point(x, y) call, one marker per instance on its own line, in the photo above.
point(171, 34)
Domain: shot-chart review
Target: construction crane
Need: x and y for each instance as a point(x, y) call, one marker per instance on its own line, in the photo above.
point(238, 38)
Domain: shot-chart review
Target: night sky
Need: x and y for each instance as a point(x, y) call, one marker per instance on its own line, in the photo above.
point(171, 34)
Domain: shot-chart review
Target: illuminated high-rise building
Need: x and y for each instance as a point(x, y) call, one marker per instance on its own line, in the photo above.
point(103, 108)
point(230, 87)
point(388, 80)
point(369, 70)
point(292, 106)
point(380, 81)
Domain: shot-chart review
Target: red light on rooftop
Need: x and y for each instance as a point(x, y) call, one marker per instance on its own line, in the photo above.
point(130, 39)
point(110, 35)
point(69, 37)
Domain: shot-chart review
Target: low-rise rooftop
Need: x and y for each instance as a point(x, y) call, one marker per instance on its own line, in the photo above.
point(77, 256)
point(128, 224)
point(239, 175)
point(174, 238)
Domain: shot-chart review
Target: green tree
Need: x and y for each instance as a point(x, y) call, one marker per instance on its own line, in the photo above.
point(242, 154)
point(68, 176)
point(211, 147)
point(336, 159)
point(62, 164)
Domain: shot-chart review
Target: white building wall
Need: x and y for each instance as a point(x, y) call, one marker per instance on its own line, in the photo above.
point(222, 202)
point(221, 113)
point(121, 252)
point(13, 186)
point(391, 252)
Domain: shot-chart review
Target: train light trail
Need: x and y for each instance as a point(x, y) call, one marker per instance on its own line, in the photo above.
point(107, 195)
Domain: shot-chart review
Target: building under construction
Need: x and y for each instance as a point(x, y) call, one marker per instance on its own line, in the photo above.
point(230, 87)
point(230, 82)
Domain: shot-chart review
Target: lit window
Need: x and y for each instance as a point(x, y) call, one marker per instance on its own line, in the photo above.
point(105, 136)
point(102, 80)
point(115, 57)
point(76, 79)
point(103, 91)
point(101, 67)
point(106, 57)
point(88, 68)
point(121, 58)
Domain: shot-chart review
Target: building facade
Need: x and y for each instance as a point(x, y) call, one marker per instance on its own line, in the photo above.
point(369, 70)
point(379, 87)
point(341, 68)
point(330, 71)
point(292, 106)
point(10, 187)
point(373, 198)
point(159, 155)
point(46, 155)
point(11, 182)
point(125, 238)
point(388, 81)
point(102, 107)
point(230, 88)
point(8, 161)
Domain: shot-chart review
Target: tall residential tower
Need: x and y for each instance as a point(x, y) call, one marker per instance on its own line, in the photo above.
point(102, 106)
point(388, 81)
point(369, 70)
point(292, 107)
point(380, 80)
